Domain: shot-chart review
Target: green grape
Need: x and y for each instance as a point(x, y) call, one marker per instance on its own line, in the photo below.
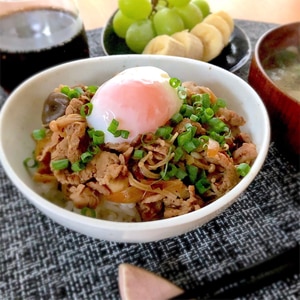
point(136, 9)
point(167, 21)
point(121, 23)
point(139, 34)
point(178, 3)
point(190, 14)
point(204, 7)
point(161, 4)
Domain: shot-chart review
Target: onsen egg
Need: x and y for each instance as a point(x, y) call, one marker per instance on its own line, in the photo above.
point(141, 99)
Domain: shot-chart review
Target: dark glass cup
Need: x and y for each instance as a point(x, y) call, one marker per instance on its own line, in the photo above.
point(36, 35)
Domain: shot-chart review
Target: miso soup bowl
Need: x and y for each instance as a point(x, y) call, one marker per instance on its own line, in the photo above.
point(21, 114)
point(283, 109)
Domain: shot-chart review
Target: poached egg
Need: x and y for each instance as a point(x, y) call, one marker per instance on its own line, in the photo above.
point(141, 99)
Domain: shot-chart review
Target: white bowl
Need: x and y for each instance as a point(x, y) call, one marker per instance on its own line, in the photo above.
point(21, 114)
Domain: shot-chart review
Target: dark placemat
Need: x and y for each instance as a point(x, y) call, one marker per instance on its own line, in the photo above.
point(40, 259)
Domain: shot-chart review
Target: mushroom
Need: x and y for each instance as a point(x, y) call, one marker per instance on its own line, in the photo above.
point(54, 107)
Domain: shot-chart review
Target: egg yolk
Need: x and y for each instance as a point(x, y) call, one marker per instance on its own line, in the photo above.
point(140, 99)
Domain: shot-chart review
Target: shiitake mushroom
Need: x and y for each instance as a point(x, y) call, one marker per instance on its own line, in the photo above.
point(54, 107)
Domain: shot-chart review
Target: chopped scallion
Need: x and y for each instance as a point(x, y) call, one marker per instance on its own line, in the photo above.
point(138, 154)
point(93, 149)
point(60, 164)
point(124, 134)
point(202, 185)
point(192, 172)
point(77, 166)
point(181, 92)
point(189, 146)
point(177, 118)
point(92, 88)
point(113, 126)
point(89, 212)
point(86, 109)
point(178, 154)
point(98, 137)
point(164, 132)
point(194, 118)
point(174, 82)
point(243, 169)
point(181, 174)
point(217, 125)
point(39, 134)
point(86, 157)
point(184, 137)
point(30, 162)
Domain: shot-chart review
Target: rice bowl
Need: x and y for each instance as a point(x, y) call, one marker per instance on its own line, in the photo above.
point(24, 117)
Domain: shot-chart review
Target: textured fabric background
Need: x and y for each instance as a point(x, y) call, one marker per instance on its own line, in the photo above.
point(40, 259)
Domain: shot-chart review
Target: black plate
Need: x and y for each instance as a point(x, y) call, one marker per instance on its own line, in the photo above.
point(232, 58)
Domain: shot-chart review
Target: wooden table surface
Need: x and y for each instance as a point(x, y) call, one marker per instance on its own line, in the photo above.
point(95, 13)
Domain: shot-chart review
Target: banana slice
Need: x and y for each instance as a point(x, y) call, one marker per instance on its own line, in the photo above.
point(221, 25)
point(165, 45)
point(227, 18)
point(193, 46)
point(211, 38)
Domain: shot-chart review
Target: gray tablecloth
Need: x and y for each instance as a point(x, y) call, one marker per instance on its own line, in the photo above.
point(40, 259)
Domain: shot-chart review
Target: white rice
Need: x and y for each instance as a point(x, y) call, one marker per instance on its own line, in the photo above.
point(106, 210)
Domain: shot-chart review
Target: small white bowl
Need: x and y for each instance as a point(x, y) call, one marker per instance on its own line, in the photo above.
point(22, 113)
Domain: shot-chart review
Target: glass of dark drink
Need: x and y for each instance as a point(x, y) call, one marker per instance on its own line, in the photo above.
point(36, 35)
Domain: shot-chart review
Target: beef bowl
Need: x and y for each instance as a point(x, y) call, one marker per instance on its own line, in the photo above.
point(133, 148)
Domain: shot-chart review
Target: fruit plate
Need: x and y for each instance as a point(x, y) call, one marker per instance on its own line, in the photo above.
point(233, 57)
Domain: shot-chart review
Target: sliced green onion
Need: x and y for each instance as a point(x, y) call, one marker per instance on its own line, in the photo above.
point(113, 126)
point(93, 149)
point(77, 166)
point(178, 154)
point(208, 113)
point(196, 98)
point(184, 137)
point(186, 110)
point(243, 169)
point(174, 82)
point(220, 103)
point(89, 212)
point(181, 174)
point(194, 118)
point(86, 157)
point(164, 132)
point(177, 118)
point(189, 146)
point(65, 90)
point(192, 172)
point(60, 164)
point(191, 128)
point(205, 100)
point(217, 125)
point(125, 134)
point(39, 134)
point(86, 109)
point(181, 92)
point(172, 170)
point(217, 137)
point(204, 139)
point(74, 94)
point(202, 185)
point(30, 162)
point(92, 88)
point(117, 133)
point(138, 154)
point(79, 90)
point(98, 137)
